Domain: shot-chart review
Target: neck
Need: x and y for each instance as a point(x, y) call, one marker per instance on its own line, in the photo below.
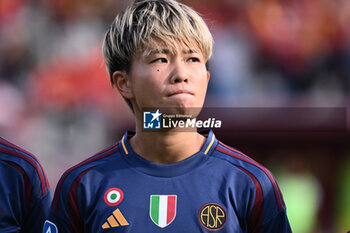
point(166, 147)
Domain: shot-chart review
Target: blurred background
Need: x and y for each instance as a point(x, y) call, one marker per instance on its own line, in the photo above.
point(56, 100)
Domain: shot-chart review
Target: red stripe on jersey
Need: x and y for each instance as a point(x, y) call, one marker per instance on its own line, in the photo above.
point(235, 150)
point(9, 144)
point(171, 211)
point(27, 184)
point(42, 175)
point(279, 190)
point(256, 216)
point(239, 152)
point(73, 208)
point(89, 160)
point(278, 195)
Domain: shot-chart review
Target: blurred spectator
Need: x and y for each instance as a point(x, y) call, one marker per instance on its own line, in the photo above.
point(12, 106)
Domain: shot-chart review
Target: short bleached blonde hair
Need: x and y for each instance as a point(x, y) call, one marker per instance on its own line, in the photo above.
point(146, 25)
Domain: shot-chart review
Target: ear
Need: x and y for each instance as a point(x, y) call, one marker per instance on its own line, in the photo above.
point(122, 82)
point(208, 76)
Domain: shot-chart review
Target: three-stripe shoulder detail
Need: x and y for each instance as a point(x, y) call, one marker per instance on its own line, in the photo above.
point(13, 150)
point(94, 158)
point(28, 184)
point(256, 217)
point(244, 158)
point(73, 208)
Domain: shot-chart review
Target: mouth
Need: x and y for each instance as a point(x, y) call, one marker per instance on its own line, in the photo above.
point(180, 92)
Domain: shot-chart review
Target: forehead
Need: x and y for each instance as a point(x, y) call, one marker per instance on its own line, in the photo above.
point(170, 47)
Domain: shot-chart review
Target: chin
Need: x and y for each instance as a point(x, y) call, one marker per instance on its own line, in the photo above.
point(187, 109)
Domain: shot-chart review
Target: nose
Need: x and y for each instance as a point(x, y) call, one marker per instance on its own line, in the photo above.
point(179, 73)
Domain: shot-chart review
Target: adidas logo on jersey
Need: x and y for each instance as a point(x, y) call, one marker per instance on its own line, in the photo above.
point(115, 220)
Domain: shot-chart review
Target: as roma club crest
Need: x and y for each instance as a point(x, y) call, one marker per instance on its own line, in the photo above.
point(212, 216)
point(163, 209)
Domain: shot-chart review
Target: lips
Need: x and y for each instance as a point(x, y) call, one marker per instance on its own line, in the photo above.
point(178, 92)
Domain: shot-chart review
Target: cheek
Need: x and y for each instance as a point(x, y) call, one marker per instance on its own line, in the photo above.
point(147, 84)
point(141, 77)
point(202, 80)
point(202, 84)
point(151, 84)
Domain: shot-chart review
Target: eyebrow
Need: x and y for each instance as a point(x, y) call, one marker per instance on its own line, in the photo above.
point(189, 51)
point(160, 51)
point(167, 51)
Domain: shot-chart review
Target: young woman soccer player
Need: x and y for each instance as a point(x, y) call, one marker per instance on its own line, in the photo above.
point(171, 180)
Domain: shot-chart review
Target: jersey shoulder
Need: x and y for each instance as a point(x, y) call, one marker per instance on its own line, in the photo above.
point(73, 175)
point(267, 195)
point(25, 164)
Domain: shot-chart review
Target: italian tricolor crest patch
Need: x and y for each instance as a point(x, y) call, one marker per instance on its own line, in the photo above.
point(163, 209)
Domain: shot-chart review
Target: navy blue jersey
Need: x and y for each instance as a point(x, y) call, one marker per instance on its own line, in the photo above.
point(24, 191)
point(217, 189)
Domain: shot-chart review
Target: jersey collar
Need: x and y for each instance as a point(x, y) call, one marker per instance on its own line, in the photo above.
point(167, 170)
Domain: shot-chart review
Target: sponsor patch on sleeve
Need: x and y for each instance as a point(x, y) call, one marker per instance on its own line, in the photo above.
point(49, 227)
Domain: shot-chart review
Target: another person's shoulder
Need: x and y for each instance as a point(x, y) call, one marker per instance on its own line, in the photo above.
point(23, 164)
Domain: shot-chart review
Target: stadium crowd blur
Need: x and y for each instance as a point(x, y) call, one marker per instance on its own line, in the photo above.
point(57, 102)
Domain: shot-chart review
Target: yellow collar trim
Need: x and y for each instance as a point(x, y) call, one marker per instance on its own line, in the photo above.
point(123, 144)
point(210, 144)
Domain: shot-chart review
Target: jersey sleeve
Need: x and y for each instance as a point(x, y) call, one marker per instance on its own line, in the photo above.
point(60, 217)
point(65, 215)
point(69, 202)
point(267, 211)
point(279, 223)
point(57, 222)
point(38, 213)
point(268, 214)
point(40, 200)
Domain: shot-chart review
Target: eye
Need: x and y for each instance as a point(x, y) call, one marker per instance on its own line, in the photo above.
point(193, 59)
point(160, 60)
